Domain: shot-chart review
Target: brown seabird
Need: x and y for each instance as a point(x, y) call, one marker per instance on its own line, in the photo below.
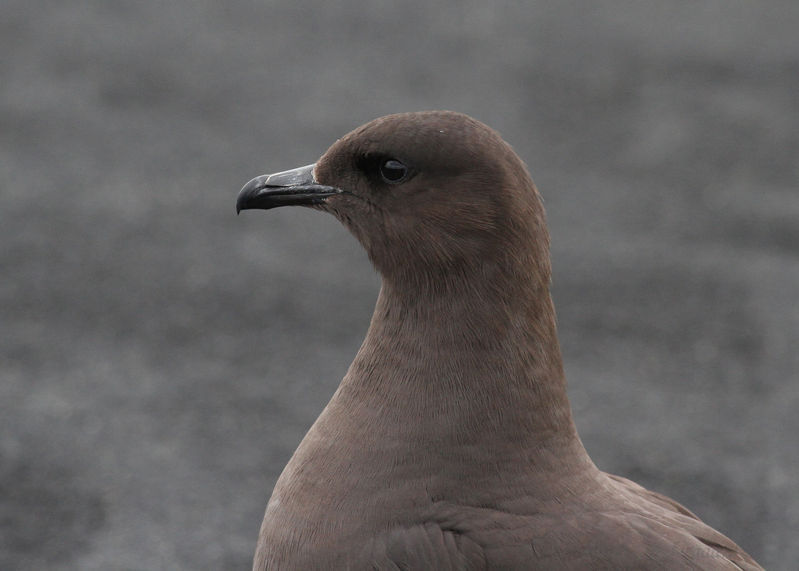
point(450, 443)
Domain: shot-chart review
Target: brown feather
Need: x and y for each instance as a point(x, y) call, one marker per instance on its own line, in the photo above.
point(450, 442)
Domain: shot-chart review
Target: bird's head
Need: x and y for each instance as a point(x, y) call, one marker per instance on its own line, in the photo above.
point(431, 195)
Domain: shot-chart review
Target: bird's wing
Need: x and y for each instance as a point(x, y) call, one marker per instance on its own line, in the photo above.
point(479, 538)
point(424, 546)
point(675, 514)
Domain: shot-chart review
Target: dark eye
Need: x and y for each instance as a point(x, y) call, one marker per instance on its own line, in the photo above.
point(393, 171)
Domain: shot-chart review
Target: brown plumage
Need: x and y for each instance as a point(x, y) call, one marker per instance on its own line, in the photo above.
point(450, 442)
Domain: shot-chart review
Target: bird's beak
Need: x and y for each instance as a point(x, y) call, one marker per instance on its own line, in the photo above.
point(288, 188)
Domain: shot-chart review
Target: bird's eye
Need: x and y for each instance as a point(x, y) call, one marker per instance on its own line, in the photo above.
point(393, 171)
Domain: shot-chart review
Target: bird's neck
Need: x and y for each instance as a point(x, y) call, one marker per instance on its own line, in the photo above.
point(476, 361)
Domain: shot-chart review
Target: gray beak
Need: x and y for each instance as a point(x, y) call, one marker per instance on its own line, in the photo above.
point(287, 188)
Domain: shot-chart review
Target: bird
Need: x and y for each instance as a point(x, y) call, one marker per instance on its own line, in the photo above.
point(450, 442)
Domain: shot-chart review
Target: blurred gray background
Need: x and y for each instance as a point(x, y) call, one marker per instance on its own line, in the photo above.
point(161, 358)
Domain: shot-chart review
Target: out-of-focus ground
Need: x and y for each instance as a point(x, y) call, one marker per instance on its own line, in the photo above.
point(160, 358)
